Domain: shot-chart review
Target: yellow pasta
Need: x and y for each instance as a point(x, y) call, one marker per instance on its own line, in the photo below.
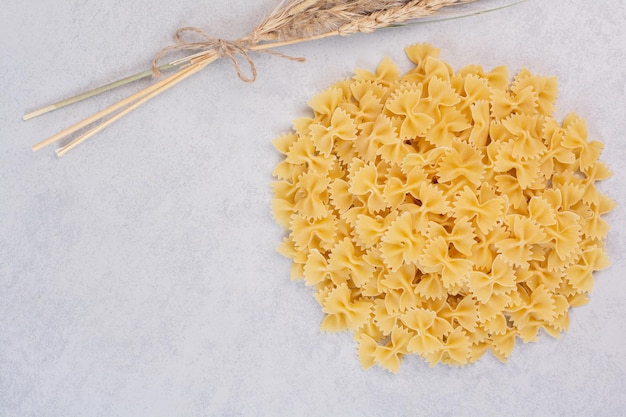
point(439, 213)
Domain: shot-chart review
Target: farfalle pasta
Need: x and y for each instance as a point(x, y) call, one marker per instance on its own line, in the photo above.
point(439, 213)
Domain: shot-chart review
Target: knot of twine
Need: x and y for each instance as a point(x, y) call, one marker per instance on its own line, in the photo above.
point(221, 48)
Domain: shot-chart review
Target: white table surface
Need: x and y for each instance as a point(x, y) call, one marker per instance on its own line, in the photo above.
point(138, 274)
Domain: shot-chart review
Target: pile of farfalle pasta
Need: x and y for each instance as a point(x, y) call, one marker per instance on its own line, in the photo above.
point(441, 214)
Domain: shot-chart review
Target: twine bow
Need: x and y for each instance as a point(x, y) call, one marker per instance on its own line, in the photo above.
point(221, 48)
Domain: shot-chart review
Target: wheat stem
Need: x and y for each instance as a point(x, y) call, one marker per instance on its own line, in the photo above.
point(103, 113)
point(94, 92)
point(171, 81)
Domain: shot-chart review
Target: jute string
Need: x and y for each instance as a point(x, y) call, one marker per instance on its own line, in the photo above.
point(220, 47)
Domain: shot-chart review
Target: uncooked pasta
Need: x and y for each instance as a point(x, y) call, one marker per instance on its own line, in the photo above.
point(439, 213)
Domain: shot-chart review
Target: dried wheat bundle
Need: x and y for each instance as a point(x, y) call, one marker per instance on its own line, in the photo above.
point(291, 22)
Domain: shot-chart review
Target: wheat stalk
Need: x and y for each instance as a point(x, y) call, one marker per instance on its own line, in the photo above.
point(291, 22)
point(314, 18)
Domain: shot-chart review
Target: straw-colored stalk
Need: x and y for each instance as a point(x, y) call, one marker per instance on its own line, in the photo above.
point(291, 22)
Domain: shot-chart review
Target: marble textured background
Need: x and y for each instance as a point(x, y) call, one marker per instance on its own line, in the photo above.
point(138, 275)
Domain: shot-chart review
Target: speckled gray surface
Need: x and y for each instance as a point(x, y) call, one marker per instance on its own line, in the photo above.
point(138, 275)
